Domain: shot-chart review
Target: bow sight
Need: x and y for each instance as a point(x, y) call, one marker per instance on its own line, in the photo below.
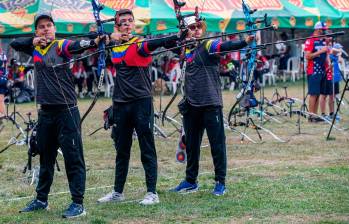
point(181, 18)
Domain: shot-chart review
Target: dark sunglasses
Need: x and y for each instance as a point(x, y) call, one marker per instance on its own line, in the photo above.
point(193, 27)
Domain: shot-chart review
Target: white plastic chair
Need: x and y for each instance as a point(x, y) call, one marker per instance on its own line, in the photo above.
point(294, 72)
point(109, 84)
point(155, 71)
point(271, 74)
point(29, 78)
point(175, 73)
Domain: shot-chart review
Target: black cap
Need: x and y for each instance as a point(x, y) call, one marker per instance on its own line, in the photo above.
point(41, 15)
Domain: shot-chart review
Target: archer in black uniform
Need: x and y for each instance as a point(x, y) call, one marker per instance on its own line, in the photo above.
point(132, 104)
point(59, 118)
point(202, 105)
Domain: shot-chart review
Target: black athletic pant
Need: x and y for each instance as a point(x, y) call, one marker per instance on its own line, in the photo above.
point(89, 81)
point(79, 82)
point(195, 121)
point(61, 128)
point(136, 115)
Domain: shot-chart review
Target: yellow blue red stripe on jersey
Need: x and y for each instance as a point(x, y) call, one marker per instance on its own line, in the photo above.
point(62, 50)
point(189, 55)
point(39, 52)
point(213, 46)
point(119, 52)
point(135, 53)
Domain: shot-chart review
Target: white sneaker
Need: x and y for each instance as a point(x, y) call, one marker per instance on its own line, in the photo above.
point(81, 95)
point(112, 197)
point(150, 198)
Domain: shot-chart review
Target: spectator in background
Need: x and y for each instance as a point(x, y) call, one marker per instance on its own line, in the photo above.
point(327, 85)
point(283, 51)
point(3, 62)
point(261, 68)
point(80, 76)
point(3, 81)
point(335, 55)
point(226, 67)
point(165, 67)
point(91, 69)
point(316, 54)
point(110, 68)
point(16, 74)
point(174, 73)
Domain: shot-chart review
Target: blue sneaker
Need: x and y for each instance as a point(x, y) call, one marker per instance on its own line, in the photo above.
point(74, 210)
point(185, 187)
point(35, 205)
point(219, 189)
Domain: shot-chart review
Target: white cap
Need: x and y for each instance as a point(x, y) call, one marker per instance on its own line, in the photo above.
point(320, 25)
point(189, 20)
point(337, 46)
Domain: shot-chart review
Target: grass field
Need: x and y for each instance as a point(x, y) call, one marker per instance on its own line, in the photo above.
point(305, 180)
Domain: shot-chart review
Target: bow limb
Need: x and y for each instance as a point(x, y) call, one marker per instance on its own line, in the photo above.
point(181, 26)
point(247, 84)
point(97, 8)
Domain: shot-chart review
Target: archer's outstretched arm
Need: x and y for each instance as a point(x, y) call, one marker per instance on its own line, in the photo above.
point(24, 44)
point(148, 46)
point(217, 45)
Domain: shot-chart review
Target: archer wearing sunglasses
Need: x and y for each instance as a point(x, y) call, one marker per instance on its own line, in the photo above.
point(202, 105)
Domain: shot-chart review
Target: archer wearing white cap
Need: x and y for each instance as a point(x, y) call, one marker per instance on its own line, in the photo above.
point(202, 105)
point(316, 53)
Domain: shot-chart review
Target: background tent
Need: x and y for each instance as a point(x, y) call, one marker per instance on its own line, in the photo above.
point(157, 16)
point(71, 17)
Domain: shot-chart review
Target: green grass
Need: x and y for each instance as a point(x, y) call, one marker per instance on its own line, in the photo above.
point(303, 181)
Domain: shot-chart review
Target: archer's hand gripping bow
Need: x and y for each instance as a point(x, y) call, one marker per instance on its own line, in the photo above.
point(181, 43)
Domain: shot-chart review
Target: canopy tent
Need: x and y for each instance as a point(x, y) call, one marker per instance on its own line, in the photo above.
point(157, 16)
point(227, 16)
point(71, 17)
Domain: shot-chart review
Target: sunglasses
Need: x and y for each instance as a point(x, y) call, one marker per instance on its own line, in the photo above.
point(193, 27)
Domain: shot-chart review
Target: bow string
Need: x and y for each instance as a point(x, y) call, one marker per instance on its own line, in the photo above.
point(182, 26)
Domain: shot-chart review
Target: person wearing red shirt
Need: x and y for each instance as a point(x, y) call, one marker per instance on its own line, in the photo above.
point(80, 76)
point(316, 53)
point(3, 81)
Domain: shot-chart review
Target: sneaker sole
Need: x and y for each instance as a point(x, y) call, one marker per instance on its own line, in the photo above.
point(156, 202)
point(46, 209)
point(218, 194)
point(184, 191)
point(101, 202)
point(71, 217)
